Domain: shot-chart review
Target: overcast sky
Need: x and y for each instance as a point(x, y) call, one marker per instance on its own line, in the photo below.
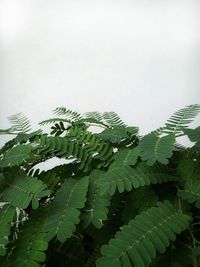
point(139, 58)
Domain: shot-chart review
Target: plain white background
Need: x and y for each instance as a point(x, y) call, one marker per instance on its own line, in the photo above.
point(139, 58)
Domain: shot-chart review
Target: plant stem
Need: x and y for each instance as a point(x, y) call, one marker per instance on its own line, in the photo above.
point(194, 246)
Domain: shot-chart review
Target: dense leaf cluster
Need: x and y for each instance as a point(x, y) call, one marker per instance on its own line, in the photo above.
point(120, 200)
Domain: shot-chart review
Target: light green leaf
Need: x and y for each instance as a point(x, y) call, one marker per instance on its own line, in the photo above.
point(96, 207)
point(16, 156)
point(64, 213)
point(155, 148)
point(23, 190)
point(126, 157)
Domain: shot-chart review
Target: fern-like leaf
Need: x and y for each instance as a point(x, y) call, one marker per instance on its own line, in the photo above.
point(94, 115)
point(7, 213)
point(65, 148)
point(80, 145)
point(16, 155)
point(64, 213)
point(194, 135)
point(112, 119)
point(50, 178)
point(20, 123)
point(115, 135)
point(154, 148)
point(53, 120)
point(72, 115)
point(24, 190)
point(127, 157)
point(31, 244)
point(96, 207)
point(180, 119)
point(137, 243)
point(124, 178)
point(91, 143)
point(191, 192)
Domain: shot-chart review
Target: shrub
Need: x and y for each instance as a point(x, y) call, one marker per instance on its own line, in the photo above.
point(120, 199)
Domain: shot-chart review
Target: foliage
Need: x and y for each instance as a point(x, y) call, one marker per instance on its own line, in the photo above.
point(119, 200)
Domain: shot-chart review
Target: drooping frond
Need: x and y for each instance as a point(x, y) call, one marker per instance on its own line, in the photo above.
point(180, 119)
point(96, 207)
point(191, 192)
point(16, 155)
point(64, 148)
point(154, 148)
point(113, 120)
point(80, 145)
point(137, 243)
point(30, 245)
point(7, 213)
point(124, 178)
point(20, 123)
point(24, 190)
point(91, 143)
point(64, 212)
point(72, 115)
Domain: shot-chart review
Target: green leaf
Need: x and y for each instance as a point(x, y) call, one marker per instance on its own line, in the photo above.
point(124, 178)
point(155, 148)
point(7, 213)
point(53, 120)
point(194, 136)
point(30, 246)
point(20, 123)
point(72, 115)
point(96, 207)
point(180, 119)
point(127, 156)
point(50, 178)
point(64, 213)
point(23, 190)
point(137, 243)
point(191, 192)
point(16, 156)
point(135, 203)
point(117, 134)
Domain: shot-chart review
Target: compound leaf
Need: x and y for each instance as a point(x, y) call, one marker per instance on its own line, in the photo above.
point(137, 243)
point(64, 212)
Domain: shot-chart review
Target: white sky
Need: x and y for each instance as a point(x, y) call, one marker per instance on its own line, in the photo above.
point(139, 58)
